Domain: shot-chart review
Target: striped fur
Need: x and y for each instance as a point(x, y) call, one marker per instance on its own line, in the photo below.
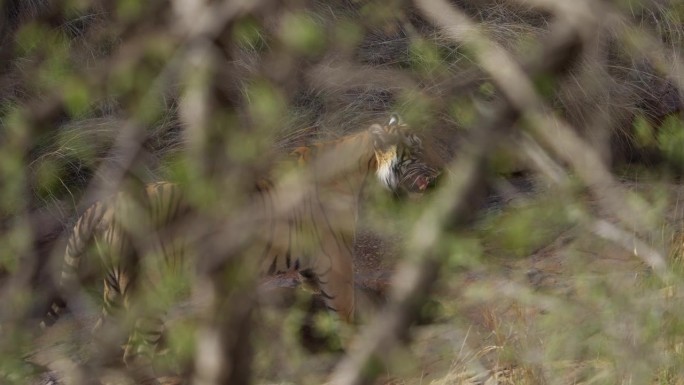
point(120, 230)
point(311, 233)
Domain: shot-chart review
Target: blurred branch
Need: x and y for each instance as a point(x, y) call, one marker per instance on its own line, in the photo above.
point(602, 228)
point(519, 91)
point(200, 36)
point(415, 277)
point(223, 347)
point(542, 162)
point(197, 20)
point(347, 75)
point(628, 241)
point(642, 43)
point(42, 114)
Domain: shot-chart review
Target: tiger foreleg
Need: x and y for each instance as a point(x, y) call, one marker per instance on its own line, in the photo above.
point(336, 292)
point(337, 289)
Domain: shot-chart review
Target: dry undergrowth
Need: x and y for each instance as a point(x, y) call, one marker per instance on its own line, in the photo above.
point(578, 310)
point(555, 288)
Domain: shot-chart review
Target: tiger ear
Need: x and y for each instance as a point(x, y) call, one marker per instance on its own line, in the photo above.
point(393, 120)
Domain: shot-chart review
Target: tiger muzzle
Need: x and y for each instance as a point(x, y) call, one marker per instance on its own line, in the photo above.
point(419, 183)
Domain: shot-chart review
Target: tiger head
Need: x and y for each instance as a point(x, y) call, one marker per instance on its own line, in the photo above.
point(403, 166)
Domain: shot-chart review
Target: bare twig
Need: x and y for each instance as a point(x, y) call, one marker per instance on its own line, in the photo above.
point(642, 44)
point(518, 89)
point(415, 276)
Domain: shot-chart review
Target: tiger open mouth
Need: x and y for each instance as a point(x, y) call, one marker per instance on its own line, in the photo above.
point(419, 181)
point(422, 183)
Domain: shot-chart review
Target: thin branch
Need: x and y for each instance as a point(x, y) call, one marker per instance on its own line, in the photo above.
point(519, 91)
point(415, 276)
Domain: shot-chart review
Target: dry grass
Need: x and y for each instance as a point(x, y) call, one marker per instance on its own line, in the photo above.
point(530, 295)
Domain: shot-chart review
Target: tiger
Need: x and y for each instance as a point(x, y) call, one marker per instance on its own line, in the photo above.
point(311, 236)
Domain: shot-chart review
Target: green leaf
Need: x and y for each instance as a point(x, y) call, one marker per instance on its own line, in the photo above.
point(302, 34)
point(671, 141)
